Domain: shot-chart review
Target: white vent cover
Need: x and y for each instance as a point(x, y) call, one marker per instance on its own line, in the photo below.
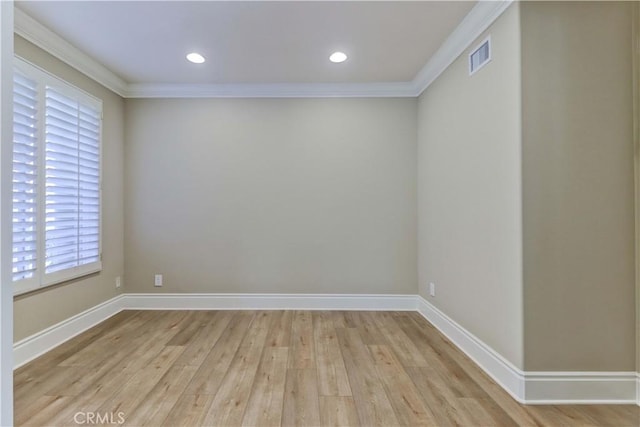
point(480, 56)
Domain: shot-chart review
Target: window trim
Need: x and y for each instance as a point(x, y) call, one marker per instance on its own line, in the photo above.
point(41, 279)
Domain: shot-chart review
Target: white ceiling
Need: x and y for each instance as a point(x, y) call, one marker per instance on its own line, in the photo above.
point(254, 42)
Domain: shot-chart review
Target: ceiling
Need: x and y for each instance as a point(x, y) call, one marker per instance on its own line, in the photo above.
point(259, 42)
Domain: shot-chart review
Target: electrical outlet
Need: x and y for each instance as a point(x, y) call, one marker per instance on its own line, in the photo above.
point(158, 280)
point(432, 289)
point(118, 282)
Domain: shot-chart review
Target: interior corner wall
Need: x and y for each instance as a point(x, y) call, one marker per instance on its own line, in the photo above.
point(271, 195)
point(469, 211)
point(38, 310)
point(578, 186)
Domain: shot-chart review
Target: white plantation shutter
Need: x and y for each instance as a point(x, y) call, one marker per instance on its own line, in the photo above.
point(25, 177)
point(72, 182)
point(56, 180)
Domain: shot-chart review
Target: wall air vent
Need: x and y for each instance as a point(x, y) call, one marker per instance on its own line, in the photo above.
point(480, 56)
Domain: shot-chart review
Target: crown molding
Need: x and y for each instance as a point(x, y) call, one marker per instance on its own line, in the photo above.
point(477, 20)
point(284, 90)
point(33, 31)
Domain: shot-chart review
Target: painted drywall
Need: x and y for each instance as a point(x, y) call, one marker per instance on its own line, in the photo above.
point(6, 156)
point(271, 195)
point(38, 310)
point(470, 234)
point(578, 186)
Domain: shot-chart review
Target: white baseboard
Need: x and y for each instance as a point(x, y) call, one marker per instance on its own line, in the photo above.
point(497, 367)
point(552, 388)
point(37, 344)
point(270, 302)
point(537, 388)
point(525, 387)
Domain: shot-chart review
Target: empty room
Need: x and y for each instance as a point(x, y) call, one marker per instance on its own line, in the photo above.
point(320, 213)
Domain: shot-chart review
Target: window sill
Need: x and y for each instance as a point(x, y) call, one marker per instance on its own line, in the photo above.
point(27, 286)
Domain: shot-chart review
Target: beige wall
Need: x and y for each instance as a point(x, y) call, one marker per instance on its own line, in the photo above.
point(39, 310)
point(537, 263)
point(271, 195)
point(578, 186)
point(470, 235)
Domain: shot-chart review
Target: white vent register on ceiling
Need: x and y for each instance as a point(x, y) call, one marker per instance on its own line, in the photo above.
point(480, 56)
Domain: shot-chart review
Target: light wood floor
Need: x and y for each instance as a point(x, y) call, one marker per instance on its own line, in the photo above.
point(271, 368)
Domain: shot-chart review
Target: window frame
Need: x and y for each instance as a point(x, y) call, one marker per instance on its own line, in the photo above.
point(46, 79)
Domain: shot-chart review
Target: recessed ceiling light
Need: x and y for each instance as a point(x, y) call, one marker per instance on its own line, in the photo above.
point(338, 57)
point(196, 58)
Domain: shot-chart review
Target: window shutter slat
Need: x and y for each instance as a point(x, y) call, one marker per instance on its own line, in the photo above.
point(24, 178)
point(72, 176)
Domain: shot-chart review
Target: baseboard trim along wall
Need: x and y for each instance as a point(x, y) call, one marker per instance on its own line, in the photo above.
point(500, 369)
point(39, 343)
point(580, 387)
point(270, 302)
point(525, 387)
point(536, 388)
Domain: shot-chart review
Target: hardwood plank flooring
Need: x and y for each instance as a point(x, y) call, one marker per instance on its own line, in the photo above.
point(275, 368)
point(301, 403)
point(332, 375)
point(230, 401)
point(338, 411)
point(265, 404)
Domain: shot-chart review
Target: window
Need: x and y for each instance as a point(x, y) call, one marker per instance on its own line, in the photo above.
point(56, 180)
